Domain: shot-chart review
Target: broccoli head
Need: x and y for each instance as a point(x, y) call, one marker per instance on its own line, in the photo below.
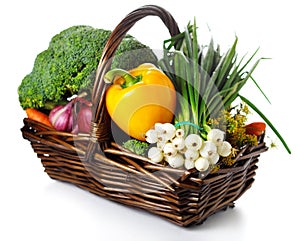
point(136, 146)
point(69, 64)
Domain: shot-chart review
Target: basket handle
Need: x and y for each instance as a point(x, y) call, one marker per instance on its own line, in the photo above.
point(99, 132)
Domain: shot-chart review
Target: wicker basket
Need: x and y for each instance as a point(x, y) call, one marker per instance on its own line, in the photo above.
point(96, 163)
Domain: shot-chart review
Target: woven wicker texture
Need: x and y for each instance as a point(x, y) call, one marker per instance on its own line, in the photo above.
point(94, 161)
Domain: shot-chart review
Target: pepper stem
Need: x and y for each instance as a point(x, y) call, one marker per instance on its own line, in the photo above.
point(129, 79)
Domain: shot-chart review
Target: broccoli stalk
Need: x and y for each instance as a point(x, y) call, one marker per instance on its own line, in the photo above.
point(69, 64)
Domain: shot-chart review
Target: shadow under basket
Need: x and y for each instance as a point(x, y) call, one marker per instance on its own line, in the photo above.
point(94, 162)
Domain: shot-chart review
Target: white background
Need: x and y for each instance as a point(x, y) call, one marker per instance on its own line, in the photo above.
point(34, 207)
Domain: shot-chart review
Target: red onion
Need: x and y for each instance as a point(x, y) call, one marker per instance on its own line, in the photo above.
point(75, 116)
point(61, 117)
point(84, 118)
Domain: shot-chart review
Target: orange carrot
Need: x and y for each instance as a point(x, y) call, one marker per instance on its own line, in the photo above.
point(256, 128)
point(36, 115)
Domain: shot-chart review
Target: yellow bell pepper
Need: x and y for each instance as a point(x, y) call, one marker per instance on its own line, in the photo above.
point(139, 98)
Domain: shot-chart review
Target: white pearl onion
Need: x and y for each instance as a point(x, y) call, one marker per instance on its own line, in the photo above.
point(225, 149)
point(189, 164)
point(216, 136)
point(160, 145)
point(175, 161)
point(213, 158)
point(151, 136)
point(169, 150)
point(168, 131)
point(158, 127)
point(179, 133)
point(191, 154)
point(155, 154)
point(193, 142)
point(208, 149)
point(178, 143)
point(201, 164)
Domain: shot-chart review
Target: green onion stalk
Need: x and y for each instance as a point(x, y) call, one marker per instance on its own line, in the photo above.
point(207, 81)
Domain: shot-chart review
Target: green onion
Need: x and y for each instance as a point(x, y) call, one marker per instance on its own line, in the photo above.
point(248, 102)
point(207, 81)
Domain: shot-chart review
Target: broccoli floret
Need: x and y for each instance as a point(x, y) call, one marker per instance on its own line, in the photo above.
point(69, 64)
point(136, 146)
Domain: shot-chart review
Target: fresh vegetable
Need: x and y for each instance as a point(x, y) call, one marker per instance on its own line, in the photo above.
point(216, 136)
point(69, 63)
point(138, 147)
point(202, 164)
point(189, 164)
point(36, 115)
point(193, 142)
point(155, 155)
point(224, 149)
point(190, 151)
point(138, 99)
point(84, 118)
point(208, 81)
point(191, 155)
point(256, 128)
point(175, 161)
point(169, 150)
point(178, 143)
point(61, 117)
point(73, 117)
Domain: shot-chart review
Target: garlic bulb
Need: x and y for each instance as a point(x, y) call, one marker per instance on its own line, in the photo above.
point(225, 149)
point(202, 164)
point(193, 142)
point(155, 155)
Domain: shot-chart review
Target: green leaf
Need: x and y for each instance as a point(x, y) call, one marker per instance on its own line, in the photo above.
point(227, 65)
point(248, 102)
point(196, 83)
point(188, 43)
point(248, 61)
point(249, 73)
point(208, 60)
point(260, 89)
